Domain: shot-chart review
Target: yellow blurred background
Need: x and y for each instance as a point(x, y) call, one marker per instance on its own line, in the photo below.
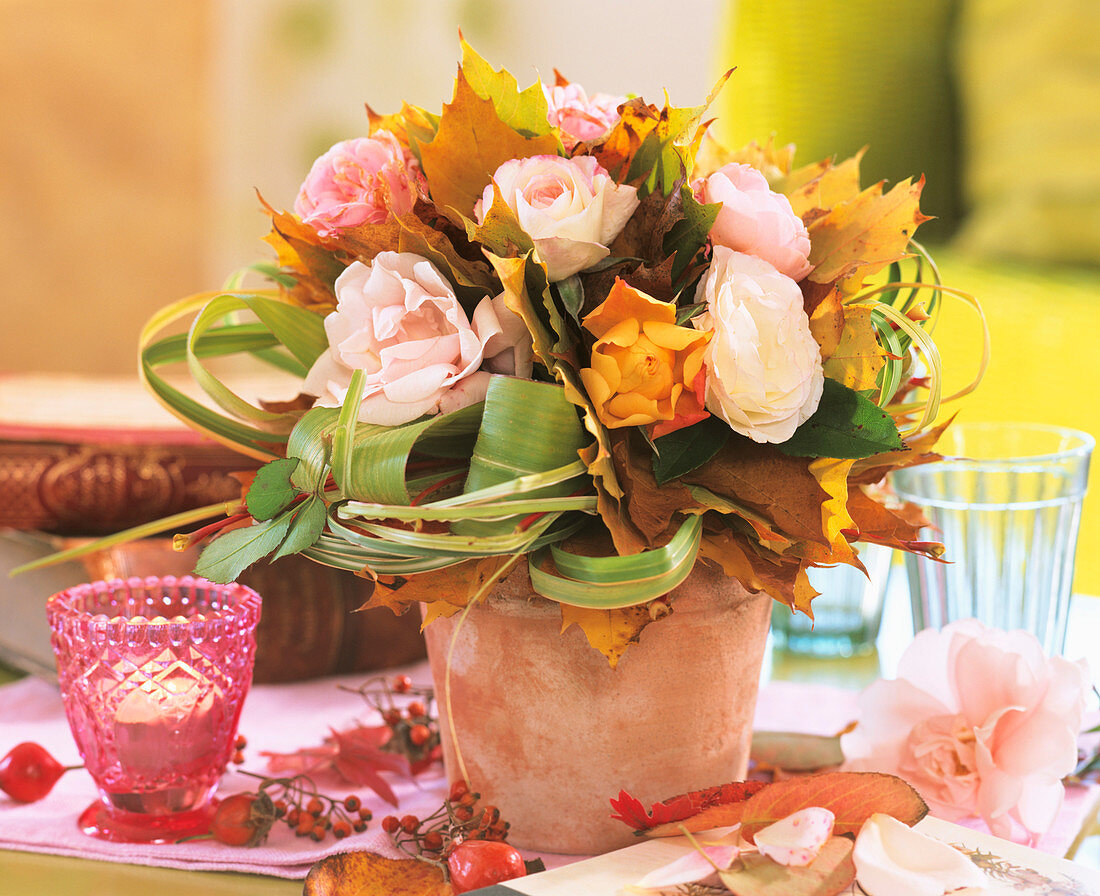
point(136, 136)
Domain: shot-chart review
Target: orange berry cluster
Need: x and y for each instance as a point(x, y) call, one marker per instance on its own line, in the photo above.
point(414, 726)
point(460, 818)
point(309, 813)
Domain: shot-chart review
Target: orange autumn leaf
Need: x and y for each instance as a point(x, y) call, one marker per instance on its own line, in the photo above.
point(471, 143)
point(896, 527)
point(852, 797)
point(631, 811)
point(363, 873)
point(778, 486)
point(781, 577)
point(827, 322)
point(443, 596)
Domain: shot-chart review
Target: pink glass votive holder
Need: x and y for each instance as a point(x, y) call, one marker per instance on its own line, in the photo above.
point(153, 676)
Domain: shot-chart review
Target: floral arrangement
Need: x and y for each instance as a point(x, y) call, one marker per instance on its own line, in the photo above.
point(575, 331)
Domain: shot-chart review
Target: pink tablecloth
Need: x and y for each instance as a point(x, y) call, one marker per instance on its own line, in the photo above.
point(286, 717)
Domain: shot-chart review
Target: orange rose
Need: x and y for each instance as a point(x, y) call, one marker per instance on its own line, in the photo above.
point(646, 370)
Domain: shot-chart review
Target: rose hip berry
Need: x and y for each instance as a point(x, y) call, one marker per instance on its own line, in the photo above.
point(482, 863)
point(28, 772)
point(244, 819)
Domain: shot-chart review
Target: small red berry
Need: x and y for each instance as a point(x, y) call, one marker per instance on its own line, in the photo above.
point(419, 734)
point(351, 803)
point(416, 709)
point(391, 717)
point(402, 683)
point(390, 824)
point(458, 790)
point(433, 841)
point(409, 824)
point(315, 806)
point(360, 826)
point(28, 772)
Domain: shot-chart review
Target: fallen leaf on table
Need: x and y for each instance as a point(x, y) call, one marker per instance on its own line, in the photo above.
point(831, 872)
point(665, 816)
point(852, 797)
point(366, 874)
point(795, 752)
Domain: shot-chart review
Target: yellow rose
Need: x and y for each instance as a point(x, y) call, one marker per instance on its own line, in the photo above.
point(646, 370)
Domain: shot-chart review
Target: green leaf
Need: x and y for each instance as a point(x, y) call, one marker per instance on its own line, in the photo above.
point(524, 111)
point(687, 449)
point(827, 875)
point(306, 525)
point(796, 752)
point(845, 424)
point(225, 558)
point(272, 491)
point(508, 447)
point(689, 234)
point(571, 293)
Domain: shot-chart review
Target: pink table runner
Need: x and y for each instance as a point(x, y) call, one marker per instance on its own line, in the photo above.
point(286, 717)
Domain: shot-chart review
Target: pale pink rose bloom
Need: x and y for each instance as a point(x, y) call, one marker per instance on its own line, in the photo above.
point(358, 181)
point(892, 859)
point(398, 320)
point(797, 839)
point(571, 208)
point(980, 722)
point(756, 220)
point(579, 116)
point(764, 371)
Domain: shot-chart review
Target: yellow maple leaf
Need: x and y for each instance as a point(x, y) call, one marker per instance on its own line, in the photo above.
point(362, 873)
point(612, 631)
point(471, 143)
point(822, 185)
point(862, 235)
point(858, 357)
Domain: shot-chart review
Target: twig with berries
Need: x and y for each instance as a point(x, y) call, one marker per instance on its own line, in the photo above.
point(246, 819)
point(466, 840)
point(414, 727)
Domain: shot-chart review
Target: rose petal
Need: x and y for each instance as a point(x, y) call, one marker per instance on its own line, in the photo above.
point(798, 838)
point(892, 859)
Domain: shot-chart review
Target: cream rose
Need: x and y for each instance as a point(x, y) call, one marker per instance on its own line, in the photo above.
point(980, 722)
point(398, 320)
point(764, 373)
point(756, 220)
point(571, 208)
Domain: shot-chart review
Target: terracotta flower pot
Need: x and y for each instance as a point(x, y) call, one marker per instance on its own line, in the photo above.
point(548, 732)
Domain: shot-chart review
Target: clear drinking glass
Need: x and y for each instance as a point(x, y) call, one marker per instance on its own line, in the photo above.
point(153, 676)
point(1006, 501)
point(847, 612)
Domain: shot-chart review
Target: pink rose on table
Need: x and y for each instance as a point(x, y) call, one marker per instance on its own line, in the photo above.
point(571, 208)
point(756, 220)
point(356, 182)
point(398, 320)
point(980, 722)
point(764, 372)
point(581, 117)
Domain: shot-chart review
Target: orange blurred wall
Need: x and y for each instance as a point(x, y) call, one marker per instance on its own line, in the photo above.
point(103, 177)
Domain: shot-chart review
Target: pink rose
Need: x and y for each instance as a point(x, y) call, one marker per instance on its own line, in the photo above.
point(398, 320)
point(358, 182)
point(756, 220)
point(578, 116)
point(764, 372)
point(571, 208)
point(980, 722)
